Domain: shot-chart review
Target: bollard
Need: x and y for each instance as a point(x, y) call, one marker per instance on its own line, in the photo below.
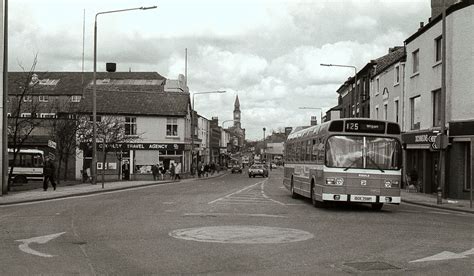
point(439, 196)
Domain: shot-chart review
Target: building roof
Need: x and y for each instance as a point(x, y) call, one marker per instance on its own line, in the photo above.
point(71, 83)
point(147, 103)
point(125, 93)
point(395, 55)
point(433, 21)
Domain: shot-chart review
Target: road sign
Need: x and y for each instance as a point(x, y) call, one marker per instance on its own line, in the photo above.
point(51, 144)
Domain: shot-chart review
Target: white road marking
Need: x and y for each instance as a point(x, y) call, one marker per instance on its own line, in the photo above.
point(234, 214)
point(41, 240)
point(446, 255)
point(248, 195)
point(242, 234)
point(229, 195)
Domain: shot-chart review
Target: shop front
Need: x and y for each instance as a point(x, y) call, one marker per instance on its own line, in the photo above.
point(421, 160)
point(461, 165)
point(133, 161)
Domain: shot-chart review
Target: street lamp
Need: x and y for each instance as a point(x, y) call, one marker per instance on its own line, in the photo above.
point(264, 146)
point(346, 66)
point(226, 121)
point(321, 115)
point(94, 93)
point(192, 118)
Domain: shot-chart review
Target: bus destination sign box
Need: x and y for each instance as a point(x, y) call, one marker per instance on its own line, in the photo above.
point(365, 126)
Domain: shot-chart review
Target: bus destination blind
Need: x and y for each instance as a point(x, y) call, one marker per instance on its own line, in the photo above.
point(365, 126)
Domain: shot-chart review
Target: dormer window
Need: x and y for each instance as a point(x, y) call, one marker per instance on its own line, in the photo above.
point(75, 98)
point(43, 98)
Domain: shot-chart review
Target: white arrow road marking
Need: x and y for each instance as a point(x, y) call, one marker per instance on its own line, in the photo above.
point(445, 255)
point(41, 240)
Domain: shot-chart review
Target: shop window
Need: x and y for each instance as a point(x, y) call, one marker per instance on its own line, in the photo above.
point(467, 167)
point(130, 126)
point(171, 127)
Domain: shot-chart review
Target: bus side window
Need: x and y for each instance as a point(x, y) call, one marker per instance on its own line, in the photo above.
point(315, 151)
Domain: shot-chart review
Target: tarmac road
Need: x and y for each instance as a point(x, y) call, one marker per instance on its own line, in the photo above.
point(229, 225)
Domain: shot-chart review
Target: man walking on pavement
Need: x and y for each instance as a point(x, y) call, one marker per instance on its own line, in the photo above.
point(177, 171)
point(49, 170)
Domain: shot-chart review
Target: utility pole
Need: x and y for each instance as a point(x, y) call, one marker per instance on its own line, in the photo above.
point(442, 153)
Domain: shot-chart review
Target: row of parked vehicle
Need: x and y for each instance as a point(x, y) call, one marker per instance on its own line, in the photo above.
point(254, 170)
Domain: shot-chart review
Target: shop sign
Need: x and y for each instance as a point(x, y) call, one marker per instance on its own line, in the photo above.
point(431, 138)
point(144, 146)
point(419, 138)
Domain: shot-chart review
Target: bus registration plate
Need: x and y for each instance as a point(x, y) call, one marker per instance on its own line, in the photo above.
point(362, 198)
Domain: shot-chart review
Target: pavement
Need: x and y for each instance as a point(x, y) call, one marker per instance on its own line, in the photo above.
point(411, 197)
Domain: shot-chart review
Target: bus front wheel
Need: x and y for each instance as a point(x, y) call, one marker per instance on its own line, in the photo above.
point(293, 194)
point(377, 206)
point(316, 203)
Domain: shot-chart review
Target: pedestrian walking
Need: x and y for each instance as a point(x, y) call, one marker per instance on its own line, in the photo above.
point(172, 171)
point(161, 171)
point(155, 171)
point(49, 171)
point(126, 170)
point(206, 169)
point(199, 169)
point(177, 171)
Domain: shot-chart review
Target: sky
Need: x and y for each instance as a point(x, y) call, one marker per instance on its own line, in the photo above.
point(266, 52)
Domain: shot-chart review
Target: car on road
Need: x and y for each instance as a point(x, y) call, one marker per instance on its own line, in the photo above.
point(258, 169)
point(236, 169)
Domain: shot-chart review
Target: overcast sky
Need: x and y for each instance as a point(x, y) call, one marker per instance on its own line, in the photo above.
point(267, 52)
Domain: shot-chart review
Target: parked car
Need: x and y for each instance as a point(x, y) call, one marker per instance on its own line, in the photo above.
point(236, 169)
point(258, 169)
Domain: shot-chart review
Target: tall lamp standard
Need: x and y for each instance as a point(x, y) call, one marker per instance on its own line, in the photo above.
point(94, 93)
point(264, 145)
point(346, 66)
point(321, 114)
point(192, 118)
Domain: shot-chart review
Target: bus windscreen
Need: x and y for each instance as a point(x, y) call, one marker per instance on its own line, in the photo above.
point(363, 152)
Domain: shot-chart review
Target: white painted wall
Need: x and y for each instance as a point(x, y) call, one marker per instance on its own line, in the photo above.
point(387, 79)
point(460, 71)
point(153, 130)
point(459, 61)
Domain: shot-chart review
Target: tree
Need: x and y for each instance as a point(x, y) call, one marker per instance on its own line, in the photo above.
point(110, 134)
point(63, 131)
point(23, 109)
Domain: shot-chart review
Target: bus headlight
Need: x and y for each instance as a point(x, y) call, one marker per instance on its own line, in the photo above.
point(388, 184)
point(339, 181)
point(330, 181)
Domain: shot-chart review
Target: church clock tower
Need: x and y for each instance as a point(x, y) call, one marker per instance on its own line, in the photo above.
point(237, 113)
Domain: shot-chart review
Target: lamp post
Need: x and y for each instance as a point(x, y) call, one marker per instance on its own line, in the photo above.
point(226, 121)
point(192, 118)
point(346, 66)
point(94, 93)
point(264, 145)
point(321, 114)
